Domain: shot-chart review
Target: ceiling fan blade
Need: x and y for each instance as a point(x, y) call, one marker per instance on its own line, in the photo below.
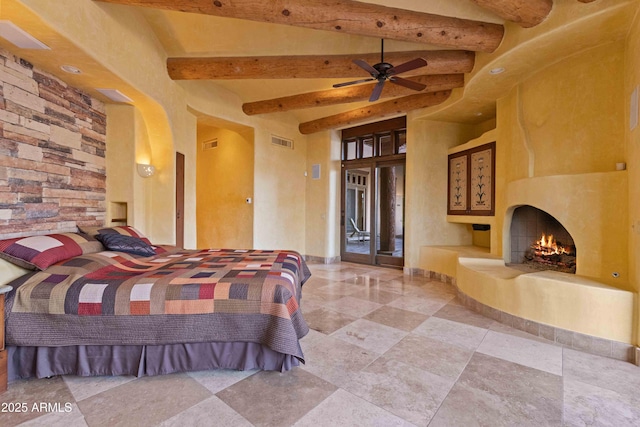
point(368, 68)
point(407, 66)
point(377, 90)
point(352, 83)
point(407, 83)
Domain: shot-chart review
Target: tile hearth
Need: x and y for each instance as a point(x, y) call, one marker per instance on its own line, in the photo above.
point(385, 349)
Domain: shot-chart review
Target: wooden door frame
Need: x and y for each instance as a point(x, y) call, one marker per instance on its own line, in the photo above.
point(180, 162)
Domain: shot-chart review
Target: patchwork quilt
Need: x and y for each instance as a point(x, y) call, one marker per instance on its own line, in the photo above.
point(114, 298)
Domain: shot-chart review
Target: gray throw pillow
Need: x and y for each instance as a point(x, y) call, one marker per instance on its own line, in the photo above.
point(128, 244)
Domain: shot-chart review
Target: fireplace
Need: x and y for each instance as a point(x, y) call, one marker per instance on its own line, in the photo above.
point(540, 242)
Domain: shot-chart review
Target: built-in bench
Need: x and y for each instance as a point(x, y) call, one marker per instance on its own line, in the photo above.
point(570, 310)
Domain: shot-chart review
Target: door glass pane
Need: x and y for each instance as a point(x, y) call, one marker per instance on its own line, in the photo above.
point(367, 148)
point(390, 211)
point(357, 210)
point(401, 142)
point(385, 145)
point(349, 150)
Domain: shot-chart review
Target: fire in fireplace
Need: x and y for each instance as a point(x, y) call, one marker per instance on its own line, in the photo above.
point(547, 253)
point(540, 242)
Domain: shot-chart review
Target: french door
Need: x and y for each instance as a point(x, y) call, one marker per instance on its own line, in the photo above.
point(372, 212)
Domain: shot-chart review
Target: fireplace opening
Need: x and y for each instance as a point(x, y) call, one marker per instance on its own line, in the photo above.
point(540, 242)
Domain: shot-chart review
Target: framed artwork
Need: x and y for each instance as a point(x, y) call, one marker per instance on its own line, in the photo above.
point(472, 181)
point(458, 178)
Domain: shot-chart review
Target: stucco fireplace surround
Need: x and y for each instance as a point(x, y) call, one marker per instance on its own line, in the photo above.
point(591, 310)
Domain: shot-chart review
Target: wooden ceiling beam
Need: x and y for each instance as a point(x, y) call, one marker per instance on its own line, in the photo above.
point(312, 66)
point(350, 94)
point(526, 13)
point(349, 17)
point(375, 111)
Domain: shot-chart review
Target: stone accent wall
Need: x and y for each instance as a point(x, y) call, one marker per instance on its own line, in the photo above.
point(52, 152)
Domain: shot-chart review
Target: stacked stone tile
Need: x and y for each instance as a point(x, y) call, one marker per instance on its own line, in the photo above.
point(52, 152)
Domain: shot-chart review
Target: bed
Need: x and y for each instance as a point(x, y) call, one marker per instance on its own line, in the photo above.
point(106, 302)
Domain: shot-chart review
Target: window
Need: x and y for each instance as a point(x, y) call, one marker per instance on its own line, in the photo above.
point(386, 138)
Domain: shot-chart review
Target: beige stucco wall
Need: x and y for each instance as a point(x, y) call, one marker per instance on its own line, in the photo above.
point(279, 182)
point(322, 203)
point(573, 115)
point(224, 179)
point(127, 144)
point(632, 158)
point(570, 113)
point(279, 190)
point(120, 144)
point(426, 222)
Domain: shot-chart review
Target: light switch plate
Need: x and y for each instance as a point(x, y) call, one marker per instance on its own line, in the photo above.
point(315, 171)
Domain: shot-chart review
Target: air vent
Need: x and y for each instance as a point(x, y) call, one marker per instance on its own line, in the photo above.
point(276, 140)
point(210, 145)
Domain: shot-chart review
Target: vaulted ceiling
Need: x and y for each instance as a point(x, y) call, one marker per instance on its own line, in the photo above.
point(284, 56)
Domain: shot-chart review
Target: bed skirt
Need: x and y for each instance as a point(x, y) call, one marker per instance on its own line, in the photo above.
point(146, 360)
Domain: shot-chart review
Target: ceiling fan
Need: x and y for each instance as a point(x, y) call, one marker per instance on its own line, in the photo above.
point(384, 71)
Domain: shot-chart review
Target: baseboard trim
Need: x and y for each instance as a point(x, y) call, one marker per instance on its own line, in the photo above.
point(321, 260)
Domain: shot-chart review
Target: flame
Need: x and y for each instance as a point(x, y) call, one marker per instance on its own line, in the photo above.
point(547, 246)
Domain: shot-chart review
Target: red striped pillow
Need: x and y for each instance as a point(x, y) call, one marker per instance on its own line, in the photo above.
point(39, 252)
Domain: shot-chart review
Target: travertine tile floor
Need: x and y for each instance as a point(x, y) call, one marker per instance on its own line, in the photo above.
point(384, 350)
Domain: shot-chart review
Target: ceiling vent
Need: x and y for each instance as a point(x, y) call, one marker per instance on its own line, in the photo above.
point(209, 145)
point(283, 142)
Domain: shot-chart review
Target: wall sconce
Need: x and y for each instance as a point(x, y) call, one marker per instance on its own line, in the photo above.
point(145, 171)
